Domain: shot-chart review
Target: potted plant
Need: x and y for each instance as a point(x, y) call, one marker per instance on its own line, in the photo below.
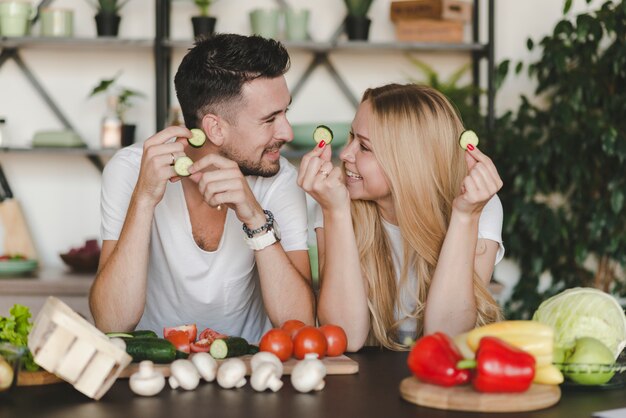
point(203, 24)
point(357, 23)
point(107, 16)
point(119, 101)
point(562, 156)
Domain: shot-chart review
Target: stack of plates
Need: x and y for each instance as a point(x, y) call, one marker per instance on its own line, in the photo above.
point(17, 267)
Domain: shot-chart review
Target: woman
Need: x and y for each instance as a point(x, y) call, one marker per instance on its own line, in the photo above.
point(411, 225)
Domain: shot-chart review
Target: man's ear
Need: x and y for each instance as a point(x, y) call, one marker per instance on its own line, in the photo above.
point(213, 126)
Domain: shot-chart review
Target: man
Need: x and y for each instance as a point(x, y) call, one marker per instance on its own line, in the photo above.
point(207, 249)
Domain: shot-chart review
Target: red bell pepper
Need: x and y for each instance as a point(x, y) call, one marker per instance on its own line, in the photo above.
point(500, 367)
point(433, 359)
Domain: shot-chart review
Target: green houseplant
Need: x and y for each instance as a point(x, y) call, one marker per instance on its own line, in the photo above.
point(119, 99)
point(562, 161)
point(203, 24)
point(107, 16)
point(357, 23)
point(461, 95)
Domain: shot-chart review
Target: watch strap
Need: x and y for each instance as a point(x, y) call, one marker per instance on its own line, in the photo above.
point(259, 242)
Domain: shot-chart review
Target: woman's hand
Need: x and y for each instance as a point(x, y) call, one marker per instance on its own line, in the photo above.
point(157, 162)
point(318, 177)
point(480, 184)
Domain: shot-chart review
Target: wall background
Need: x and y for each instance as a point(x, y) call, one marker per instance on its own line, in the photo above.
point(60, 194)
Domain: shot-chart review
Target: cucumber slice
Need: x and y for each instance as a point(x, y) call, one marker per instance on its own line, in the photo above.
point(468, 137)
point(323, 133)
point(198, 138)
point(181, 166)
point(119, 335)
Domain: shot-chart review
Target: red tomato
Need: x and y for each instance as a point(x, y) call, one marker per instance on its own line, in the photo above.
point(309, 340)
point(335, 338)
point(211, 335)
point(180, 339)
point(277, 341)
point(292, 326)
point(203, 345)
point(191, 331)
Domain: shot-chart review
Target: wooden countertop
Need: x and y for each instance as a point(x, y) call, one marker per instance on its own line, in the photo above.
point(372, 392)
point(47, 281)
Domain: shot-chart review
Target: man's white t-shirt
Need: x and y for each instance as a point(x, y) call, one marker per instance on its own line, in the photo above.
point(489, 227)
point(216, 289)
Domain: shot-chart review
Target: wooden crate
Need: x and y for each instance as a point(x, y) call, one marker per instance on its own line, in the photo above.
point(429, 30)
point(458, 10)
point(64, 343)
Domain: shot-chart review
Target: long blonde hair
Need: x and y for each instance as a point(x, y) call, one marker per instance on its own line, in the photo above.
point(414, 133)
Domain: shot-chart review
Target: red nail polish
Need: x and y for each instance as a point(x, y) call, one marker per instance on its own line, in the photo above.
point(321, 144)
point(470, 147)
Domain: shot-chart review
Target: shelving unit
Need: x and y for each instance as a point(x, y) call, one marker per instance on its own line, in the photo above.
point(478, 51)
point(162, 48)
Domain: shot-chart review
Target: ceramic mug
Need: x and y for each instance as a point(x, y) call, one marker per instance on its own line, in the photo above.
point(15, 17)
point(57, 22)
point(297, 24)
point(264, 22)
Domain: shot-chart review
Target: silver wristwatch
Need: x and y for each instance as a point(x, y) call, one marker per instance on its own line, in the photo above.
point(264, 236)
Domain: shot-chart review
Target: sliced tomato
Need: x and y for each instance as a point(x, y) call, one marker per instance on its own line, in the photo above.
point(180, 339)
point(191, 330)
point(203, 345)
point(211, 335)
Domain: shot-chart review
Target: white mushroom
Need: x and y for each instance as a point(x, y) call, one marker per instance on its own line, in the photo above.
point(184, 374)
point(266, 357)
point(206, 365)
point(147, 381)
point(232, 373)
point(308, 374)
point(264, 377)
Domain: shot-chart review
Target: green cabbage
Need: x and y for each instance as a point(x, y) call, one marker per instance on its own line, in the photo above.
point(584, 312)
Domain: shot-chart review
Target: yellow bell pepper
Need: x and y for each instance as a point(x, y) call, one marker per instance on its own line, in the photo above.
point(531, 336)
point(548, 375)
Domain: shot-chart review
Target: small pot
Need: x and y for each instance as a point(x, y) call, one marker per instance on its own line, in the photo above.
point(128, 135)
point(203, 25)
point(358, 27)
point(107, 24)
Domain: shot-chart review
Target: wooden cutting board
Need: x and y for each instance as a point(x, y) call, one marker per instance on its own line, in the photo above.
point(465, 398)
point(334, 365)
point(37, 378)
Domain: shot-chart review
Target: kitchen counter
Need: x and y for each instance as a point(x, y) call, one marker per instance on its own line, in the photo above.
point(33, 289)
point(373, 392)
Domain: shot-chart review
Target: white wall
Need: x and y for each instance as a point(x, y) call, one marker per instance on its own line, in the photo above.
point(60, 193)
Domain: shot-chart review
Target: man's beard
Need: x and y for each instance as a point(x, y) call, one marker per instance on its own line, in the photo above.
point(251, 168)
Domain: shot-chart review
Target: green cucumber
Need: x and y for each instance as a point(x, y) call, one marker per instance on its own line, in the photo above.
point(143, 333)
point(181, 166)
point(198, 138)
point(253, 349)
point(468, 137)
point(229, 347)
point(140, 333)
point(323, 133)
point(158, 350)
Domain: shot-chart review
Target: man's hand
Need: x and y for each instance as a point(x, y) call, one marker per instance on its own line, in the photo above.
point(221, 182)
point(156, 163)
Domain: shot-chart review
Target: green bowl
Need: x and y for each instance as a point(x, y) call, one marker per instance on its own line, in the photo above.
point(303, 134)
